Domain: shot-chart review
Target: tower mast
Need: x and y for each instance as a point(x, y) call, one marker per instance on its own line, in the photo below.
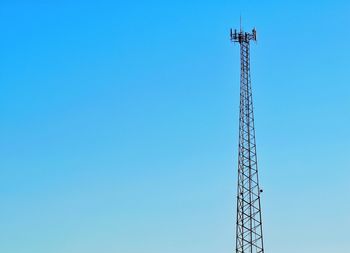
point(249, 234)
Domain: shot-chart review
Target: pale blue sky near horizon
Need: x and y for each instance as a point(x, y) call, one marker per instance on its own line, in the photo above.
point(119, 123)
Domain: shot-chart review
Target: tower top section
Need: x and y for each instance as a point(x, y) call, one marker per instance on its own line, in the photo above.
point(242, 36)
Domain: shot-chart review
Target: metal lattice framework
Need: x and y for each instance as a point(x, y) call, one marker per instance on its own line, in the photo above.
point(249, 235)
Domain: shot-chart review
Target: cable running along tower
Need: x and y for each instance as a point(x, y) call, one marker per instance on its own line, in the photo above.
point(249, 235)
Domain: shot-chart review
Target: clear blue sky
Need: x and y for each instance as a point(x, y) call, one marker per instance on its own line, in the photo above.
point(119, 122)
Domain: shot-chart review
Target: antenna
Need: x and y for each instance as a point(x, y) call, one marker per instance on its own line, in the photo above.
point(240, 22)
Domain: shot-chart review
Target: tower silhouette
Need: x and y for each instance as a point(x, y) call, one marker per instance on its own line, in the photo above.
point(249, 234)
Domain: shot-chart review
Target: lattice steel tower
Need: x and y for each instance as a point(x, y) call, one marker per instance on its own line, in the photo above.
point(249, 234)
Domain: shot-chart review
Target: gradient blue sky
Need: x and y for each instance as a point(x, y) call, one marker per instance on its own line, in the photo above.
point(119, 125)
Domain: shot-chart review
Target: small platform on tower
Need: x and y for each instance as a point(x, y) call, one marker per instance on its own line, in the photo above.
point(242, 36)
